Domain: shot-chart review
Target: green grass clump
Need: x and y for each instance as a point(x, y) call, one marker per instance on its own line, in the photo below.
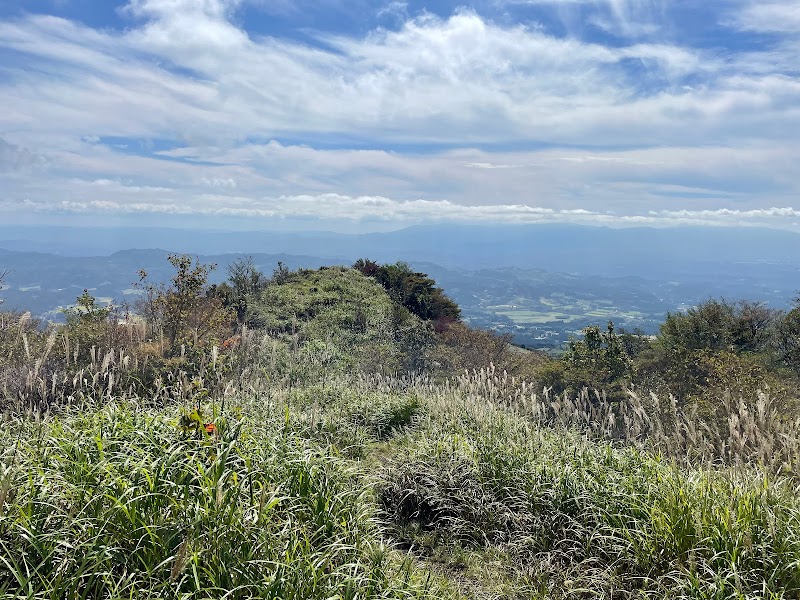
point(343, 320)
point(572, 517)
point(369, 487)
point(119, 502)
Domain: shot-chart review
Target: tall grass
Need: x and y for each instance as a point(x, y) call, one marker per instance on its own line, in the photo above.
point(745, 431)
point(119, 502)
point(315, 475)
point(565, 516)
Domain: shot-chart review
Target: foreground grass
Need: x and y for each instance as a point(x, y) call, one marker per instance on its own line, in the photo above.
point(555, 515)
point(118, 503)
point(376, 489)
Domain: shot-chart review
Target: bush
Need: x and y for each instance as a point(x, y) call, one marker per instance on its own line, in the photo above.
point(413, 290)
point(184, 311)
point(720, 325)
point(598, 362)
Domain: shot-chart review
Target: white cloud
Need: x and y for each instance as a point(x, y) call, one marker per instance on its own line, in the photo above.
point(263, 180)
point(394, 10)
point(159, 9)
point(487, 165)
point(219, 182)
point(458, 79)
point(624, 18)
point(18, 160)
point(727, 212)
point(378, 208)
point(772, 17)
point(707, 130)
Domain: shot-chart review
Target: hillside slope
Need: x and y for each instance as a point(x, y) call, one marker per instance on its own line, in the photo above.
point(340, 447)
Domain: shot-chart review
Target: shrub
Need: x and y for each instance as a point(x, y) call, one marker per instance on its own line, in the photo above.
point(598, 362)
point(413, 290)
point(183, 311)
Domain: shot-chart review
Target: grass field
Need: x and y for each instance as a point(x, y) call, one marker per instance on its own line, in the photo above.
point(529, 316)
point(376, 488)
point(301, 458)
point(580, 317)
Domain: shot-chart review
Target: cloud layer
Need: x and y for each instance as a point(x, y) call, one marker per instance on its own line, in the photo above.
point(462, 115)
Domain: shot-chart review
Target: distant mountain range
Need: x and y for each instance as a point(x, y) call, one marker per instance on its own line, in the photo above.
point(659, 253)
point(535, 281)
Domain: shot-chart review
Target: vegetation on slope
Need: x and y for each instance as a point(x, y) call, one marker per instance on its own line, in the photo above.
point(323, 440)
point(556, 515)
point(375, 487)
point(120, 501)
point(342, 313)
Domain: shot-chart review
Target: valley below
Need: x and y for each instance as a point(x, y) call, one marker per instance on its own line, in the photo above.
point(539, 308)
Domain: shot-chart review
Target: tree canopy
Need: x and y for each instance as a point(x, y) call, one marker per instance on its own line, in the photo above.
point(414, 290)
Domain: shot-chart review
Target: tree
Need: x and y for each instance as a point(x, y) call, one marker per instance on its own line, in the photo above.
point(752, 330)
point(184, 311)
point(413, 290)
point(692, 348)
point(719, 325)
point(281, 274)
point(244, 276)
point(598, 362)
point(87, 322)
point(368, 267)
point(87, 311)
point(634, 342)
point(244, 281)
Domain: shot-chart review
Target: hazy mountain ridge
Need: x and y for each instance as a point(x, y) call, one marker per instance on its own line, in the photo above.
point(568, 248)
point(539, 307)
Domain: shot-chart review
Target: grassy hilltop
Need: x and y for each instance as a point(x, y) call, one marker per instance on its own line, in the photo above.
point(338, 433)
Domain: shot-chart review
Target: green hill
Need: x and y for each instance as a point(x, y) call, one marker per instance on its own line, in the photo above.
point(348, 319)
point(309, 436)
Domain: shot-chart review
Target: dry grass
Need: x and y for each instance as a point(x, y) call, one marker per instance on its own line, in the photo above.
point(756, 431)
point(316, 472)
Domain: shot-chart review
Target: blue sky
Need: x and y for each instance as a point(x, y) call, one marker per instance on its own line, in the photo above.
point(368, 115)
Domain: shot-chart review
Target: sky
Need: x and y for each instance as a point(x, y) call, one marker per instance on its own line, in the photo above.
point(356, 115)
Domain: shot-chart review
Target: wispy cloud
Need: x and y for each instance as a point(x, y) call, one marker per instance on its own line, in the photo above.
point(459, 79)
point(772, 17)
point(624, 18)
point(18, 160)
point(459, 116)
point(395, 10)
